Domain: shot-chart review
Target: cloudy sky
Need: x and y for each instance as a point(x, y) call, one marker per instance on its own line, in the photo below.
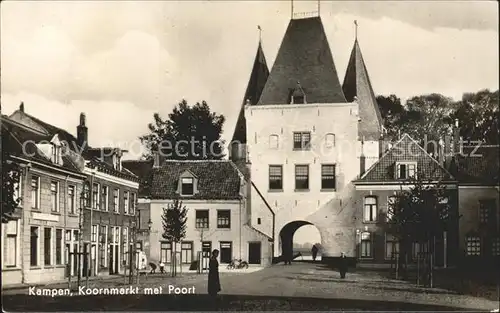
point(122, 61)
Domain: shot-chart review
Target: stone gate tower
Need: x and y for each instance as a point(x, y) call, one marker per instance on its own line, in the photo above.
point(305, 138)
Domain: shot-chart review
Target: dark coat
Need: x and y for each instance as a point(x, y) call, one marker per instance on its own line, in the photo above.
point(343, 264)
point(314, 251)
point(213, 277)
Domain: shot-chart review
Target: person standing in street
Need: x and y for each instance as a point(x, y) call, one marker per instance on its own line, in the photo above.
point(343, 265)
point(213, 277)
point(314, 252)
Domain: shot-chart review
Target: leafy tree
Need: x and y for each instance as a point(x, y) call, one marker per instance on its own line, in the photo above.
point(420, 213)
point(479, 116)
point(431, 114)
point(391, 110)
point(422, 117)
point(174, 226)
point(190, 133)
point(10, 177)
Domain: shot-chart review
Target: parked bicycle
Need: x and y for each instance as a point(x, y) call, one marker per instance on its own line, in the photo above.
point(237, 264)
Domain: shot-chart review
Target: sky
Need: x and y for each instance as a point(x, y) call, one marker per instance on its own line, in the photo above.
point(120, 62)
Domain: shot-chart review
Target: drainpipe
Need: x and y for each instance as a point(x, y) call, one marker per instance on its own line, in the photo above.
point(26, 171)
point(91, 190)
point(241, 224)
point(65, 193)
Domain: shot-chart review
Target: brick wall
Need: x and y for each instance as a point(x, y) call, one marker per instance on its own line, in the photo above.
point(469, 197)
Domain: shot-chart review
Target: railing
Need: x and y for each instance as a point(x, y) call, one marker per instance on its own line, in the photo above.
point(300, 15)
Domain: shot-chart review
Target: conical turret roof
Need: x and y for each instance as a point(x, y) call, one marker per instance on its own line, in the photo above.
point(357, 84)
point(258, 78)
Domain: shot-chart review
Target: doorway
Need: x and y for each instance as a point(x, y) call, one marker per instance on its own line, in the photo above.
point(226, 251)
point(113, 259)
point(206, 251)
point(254, 253)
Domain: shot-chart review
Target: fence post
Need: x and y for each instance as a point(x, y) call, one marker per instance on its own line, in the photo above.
point(432, 270)
point(397, 265)
point(418, 269)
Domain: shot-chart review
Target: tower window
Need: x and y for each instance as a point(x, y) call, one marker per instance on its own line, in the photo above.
point(328, 176)
point(275, 177)
point(273, 142)
point(301, 140)
point(301, 177)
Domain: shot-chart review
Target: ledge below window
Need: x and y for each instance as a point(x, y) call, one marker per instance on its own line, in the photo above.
point(328, 190)
point(10, 268)
point(302, 190)
point(275, 190)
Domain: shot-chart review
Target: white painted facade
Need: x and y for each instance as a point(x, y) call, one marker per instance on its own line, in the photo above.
point(319, 207)
point(239, 234)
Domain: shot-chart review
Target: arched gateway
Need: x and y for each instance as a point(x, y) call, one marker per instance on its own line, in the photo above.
point(286, 235)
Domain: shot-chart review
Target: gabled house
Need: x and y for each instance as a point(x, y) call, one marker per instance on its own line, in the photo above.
point(375, 190)
point(37, 244)
point(215, 195)
point(476, 168)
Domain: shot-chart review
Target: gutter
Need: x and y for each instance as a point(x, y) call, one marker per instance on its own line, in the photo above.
point(50, 167)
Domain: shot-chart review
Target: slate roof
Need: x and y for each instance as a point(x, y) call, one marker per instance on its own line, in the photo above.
point(217, 179)
point(22, 143)
point(258, 78)
point(477, 166)
point(304, 56)
point(142, 169)
point(357, 84)
point(406, 149)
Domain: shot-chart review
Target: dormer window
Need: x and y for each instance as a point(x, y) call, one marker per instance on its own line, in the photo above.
point(56, 147)
point(406, 170)
point(187, 186)
point(116, 162)
point(298, 95)
point(56, 154)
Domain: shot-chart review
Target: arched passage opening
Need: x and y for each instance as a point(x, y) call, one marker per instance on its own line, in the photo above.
point(307, 236)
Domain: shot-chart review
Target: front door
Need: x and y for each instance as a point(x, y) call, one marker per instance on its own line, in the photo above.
point(226, 252)
point(206, 250)
point(254, 252)
point(111, 259)
point(75, 258)
point(86, 258)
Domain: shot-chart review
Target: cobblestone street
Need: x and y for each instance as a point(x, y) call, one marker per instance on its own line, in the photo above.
point(301, 285)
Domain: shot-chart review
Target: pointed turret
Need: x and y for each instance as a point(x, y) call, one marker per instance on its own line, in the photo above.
point(357, 85)
point(304, 56)
point(258, 78)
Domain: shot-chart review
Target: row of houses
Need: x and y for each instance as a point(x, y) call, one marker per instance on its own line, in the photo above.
point(74, 199)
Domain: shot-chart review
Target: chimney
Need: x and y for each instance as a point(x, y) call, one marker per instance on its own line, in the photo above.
point(156, 159)
point(381, 146)
point(362, 158)
point(21, 107)
point(82, 133)
point(456, 138)
point(441, 152)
